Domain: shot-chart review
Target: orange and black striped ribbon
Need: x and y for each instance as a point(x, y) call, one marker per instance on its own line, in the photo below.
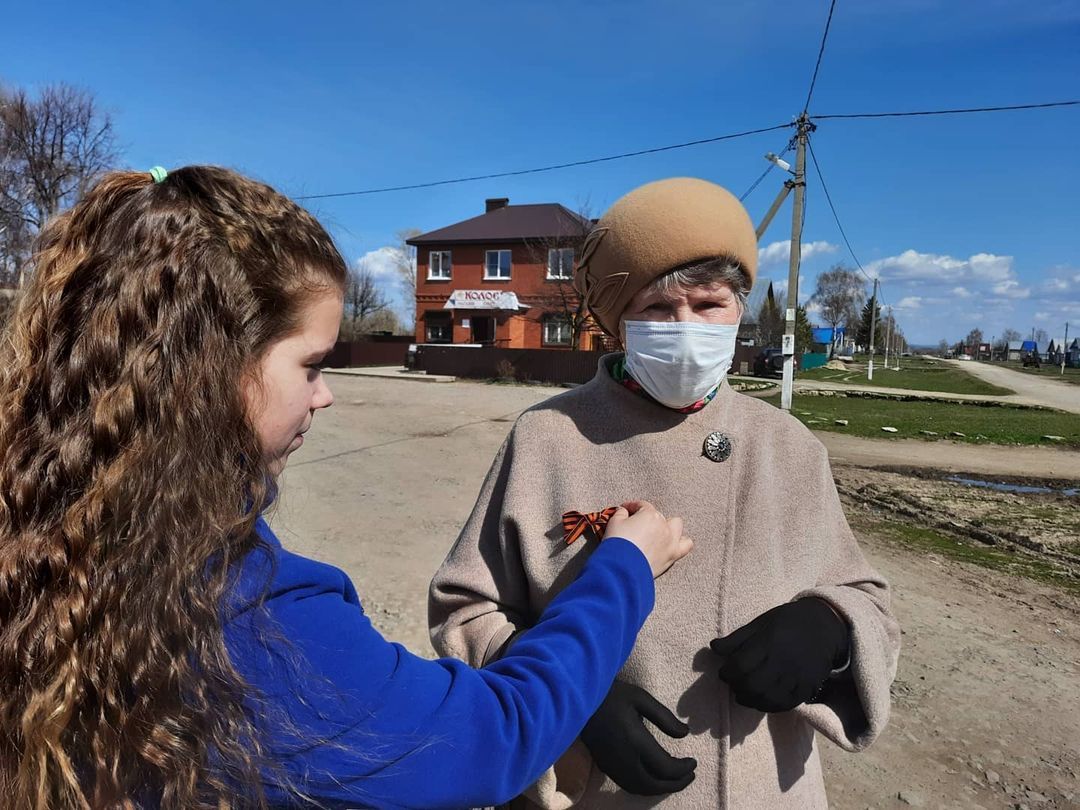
point(575, 524)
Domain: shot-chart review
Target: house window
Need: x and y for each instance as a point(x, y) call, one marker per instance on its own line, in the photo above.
point(560, 263)
point(439, 328)
point(439, 264)
point(556, 331)
point(497, 265)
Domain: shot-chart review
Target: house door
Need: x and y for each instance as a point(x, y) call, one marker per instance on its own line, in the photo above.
point(483, 330)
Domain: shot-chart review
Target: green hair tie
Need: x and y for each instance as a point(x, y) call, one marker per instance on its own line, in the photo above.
point(159, 174)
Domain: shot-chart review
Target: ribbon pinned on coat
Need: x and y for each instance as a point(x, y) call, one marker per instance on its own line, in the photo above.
point(575, 524)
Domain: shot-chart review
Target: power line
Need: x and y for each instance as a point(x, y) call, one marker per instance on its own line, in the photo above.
point(821, 52)
point(545, 168)
point(828, 197)
point(686, 144)
point(952, 112)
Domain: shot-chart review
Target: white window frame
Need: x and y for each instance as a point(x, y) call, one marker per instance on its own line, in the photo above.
point(565, 268)
point(498, 265)
point(445, 265)
point(559, 321)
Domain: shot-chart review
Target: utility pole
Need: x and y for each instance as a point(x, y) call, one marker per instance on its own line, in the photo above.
point(1065, 349)
point(888, 337)
point(805, 127)
point(873, 323)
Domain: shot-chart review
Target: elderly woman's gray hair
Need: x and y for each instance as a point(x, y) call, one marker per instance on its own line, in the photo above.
point(724, 269)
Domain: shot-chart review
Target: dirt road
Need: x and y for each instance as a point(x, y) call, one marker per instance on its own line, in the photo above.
point(987, 459)
point(1030, 388)
point(987, 701)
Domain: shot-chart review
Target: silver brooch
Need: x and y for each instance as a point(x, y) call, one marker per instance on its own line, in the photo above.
point(717, 447)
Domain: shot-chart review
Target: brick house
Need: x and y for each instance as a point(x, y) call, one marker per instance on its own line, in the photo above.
point(502, 279)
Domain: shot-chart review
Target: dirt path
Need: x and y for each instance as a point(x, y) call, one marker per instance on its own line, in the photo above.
point(989, 459)
point(1029, 388)
point(987, 702)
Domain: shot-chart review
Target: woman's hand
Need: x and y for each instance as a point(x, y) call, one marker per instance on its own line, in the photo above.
point(626, 750)
point(784, 657)
point(660, 539)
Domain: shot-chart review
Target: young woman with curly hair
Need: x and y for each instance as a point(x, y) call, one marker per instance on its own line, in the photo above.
point(158, 646)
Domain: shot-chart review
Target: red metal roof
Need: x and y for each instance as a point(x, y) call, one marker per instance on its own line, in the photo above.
point(511, 223)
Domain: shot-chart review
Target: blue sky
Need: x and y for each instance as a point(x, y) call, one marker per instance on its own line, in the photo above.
point(970, 221)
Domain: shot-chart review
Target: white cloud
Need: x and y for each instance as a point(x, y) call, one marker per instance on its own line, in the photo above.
point(1042, 316)
point(381, 262)
point(777, 252)
point(961, 292)
point(911, 302)
point(942, 269)
point(1011, 289)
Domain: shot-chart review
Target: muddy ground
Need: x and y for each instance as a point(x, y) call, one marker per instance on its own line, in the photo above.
point(1036, 519)
point(986, 706)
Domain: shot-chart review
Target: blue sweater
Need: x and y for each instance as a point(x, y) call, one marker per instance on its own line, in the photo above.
point(356, 721)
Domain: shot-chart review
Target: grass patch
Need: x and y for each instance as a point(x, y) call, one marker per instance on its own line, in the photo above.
point(996, 424)
point(930, 541)
point(915, 374)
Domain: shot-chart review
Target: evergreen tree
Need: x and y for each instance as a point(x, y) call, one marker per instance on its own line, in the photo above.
point(870, 314)
point(804, 332)
point(770, 321)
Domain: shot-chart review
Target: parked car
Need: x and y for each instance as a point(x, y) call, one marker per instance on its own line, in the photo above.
point(770, 363)
point(964, 357)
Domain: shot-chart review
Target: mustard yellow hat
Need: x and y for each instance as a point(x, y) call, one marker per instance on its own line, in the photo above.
point(654, 229)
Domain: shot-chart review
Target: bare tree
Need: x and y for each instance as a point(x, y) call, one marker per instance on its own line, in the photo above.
point(1002, 346)
point(560, 254)
point(385, 320)
point(405, 266)
point(52, 149)
point(840, 294)
point(1041, 338)
point(363, 298)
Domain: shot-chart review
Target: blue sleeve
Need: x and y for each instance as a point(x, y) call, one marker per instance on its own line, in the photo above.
point(356, 720)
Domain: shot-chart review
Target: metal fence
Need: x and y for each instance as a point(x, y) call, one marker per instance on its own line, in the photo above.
point(539, 365)
point(379, 351)
point(555, 366)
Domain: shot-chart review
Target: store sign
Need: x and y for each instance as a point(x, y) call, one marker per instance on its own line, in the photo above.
point(482, 299)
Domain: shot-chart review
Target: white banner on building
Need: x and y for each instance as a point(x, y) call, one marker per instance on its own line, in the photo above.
point(482, 299)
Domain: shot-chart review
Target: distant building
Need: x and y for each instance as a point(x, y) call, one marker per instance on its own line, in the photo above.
point(1072, 354)
point(503, 278)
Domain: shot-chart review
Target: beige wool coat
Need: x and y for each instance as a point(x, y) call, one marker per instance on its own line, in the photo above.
point(768, 528)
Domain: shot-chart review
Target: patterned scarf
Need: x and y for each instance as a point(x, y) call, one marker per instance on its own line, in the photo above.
point(622, 376)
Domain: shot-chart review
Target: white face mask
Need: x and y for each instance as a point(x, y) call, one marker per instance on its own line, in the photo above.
point(678, 363)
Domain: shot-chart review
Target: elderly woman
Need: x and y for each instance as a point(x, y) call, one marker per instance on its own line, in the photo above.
point(779, 602)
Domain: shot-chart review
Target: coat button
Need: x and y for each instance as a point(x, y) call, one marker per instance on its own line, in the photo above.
point(717, 447)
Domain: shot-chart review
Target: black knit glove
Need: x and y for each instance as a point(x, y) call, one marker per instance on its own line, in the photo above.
point(784, 656)
point(625, 750)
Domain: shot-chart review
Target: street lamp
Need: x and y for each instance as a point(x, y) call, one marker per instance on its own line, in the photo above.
point(776, 160)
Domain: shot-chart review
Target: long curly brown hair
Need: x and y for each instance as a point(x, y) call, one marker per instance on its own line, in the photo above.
point(130, 482)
